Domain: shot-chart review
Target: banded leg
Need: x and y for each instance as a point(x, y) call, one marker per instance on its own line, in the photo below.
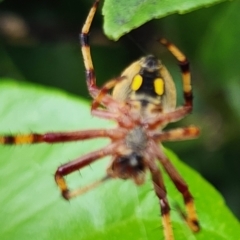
point(177, 134)
point(108, 102)
point(165, 118)
point(122, 120)
point(56, 137)
point(84, 40)
point(77, 164)
point(184, 66)
point(191, 215)
point(164, 205)
point(94, 91)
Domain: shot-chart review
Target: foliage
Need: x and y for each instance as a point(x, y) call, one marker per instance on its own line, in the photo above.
point(120, 17)
point(32, 207)
point(49, 55)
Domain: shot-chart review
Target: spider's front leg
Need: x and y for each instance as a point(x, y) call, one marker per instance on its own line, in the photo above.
point(100, 96)
point(85, 47)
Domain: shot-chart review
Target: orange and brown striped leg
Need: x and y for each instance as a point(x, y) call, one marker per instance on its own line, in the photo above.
point(184, 66)
point(77, 164)
point(94, 91)
point(191, 215)
point(122, 120)
point(101, 97)
point(162, 196)
point(21, 139)
point(169, 117)
point(56, 137)
point(177, 134)
point(84, 40)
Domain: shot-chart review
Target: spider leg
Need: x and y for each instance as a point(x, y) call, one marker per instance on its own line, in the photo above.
point(165, 118)
point(122, 120)
point(80, 191)
point(55, 137)
point(161, 193)
point(100, 98)
point(191, 216)
point(97, 93)
point(118, 111)
point(177, 134)
point(77, 164)
point(84, 40)
point(184, 66)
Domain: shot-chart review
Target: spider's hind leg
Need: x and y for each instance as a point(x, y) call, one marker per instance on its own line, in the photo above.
point(77, 164)
point(163, 202)
point(191, 215)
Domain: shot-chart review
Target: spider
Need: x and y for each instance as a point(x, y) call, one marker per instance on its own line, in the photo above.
point(142, 103)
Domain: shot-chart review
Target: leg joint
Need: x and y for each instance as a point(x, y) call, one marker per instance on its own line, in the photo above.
point(84, 39)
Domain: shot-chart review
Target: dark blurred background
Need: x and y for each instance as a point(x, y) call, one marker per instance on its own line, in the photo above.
point(39, 44)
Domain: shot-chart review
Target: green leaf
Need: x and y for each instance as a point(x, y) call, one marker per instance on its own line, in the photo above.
point(120, 17)
point(31, 206)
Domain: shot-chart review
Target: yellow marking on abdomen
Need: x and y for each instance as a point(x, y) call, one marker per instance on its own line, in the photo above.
point(159, 86)
point(137, 82)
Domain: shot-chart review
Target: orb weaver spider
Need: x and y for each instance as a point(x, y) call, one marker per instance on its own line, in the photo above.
point(143, 102)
